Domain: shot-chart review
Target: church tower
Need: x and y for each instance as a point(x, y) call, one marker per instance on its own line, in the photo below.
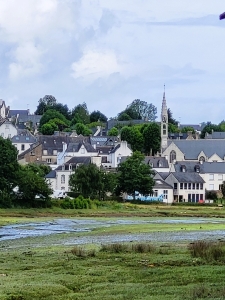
point(164, 123)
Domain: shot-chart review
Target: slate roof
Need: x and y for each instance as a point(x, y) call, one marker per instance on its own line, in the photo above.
point(15, 112)
point(161, 184)
point(104, 149)
point(29, 118)
point(192, 148)
point(85, 160)
point(23, 139)
point(32, 146)
point(215, 135)
point(51, 174)
point(75, 147)
point(163, 175)
point(104, 140)
point(188, 177)
point(157, 162)
point(197, 127)
point(177, 136)
point(204, 168)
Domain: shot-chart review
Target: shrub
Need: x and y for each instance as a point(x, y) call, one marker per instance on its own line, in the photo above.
point(143, 248)
point(81, 252)
point(209, 251)
point(115, 248)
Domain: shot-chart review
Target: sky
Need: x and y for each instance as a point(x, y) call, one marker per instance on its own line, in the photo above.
point(108, 53)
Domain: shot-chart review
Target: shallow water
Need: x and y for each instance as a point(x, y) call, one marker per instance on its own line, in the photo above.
point(84, 225)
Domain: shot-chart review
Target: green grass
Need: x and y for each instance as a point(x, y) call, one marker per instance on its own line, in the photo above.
point(162, 272)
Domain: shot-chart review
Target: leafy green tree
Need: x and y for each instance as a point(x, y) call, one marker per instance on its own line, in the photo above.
point(32, 187)
point(187, 129)
point(142, 110)
point(208, 128)
point(124, 116)
point(134, 175)
point(223, 189)
point(133, 137)
point(96, 116)
point(171, 120)
point(173, 128)
point(80, 114)
point(113, 131)
point(86, 180)
point(152, 138)
point(9, 166)
point(108, 183)
point(53, 114)
point(48, 128)
point(44, 104)
point(82, 129)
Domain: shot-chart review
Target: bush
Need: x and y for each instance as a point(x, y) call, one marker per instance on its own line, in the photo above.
point(143, 248)
point(115, 248)
point(81, 252)
point(209, 251)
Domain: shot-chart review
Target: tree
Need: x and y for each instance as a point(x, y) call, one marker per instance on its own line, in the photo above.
point(53, 114)
point(171, 120)
point(141, 110)
point(223, 189)
point(9, 166)
point(44, 104)
point(209, 128)
point(134, 175)
point(48, 128)
point(133, 137)
point(82, 129)
point(86, 180)
point(173, 128)
point(123, 116)
point(113, 131)
point(152, 138)
point(187, 129)
point(33, 190)
point(96, 116)
point(80, 114)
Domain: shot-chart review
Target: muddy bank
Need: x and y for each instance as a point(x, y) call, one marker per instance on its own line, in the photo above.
point(77, 230)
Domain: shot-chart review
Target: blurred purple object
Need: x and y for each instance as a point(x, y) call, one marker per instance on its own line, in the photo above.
point(222, 16)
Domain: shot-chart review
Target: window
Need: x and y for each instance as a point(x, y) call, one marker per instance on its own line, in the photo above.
point(197, 186)
point(202, 159)
point(193, 186)
point(175, 185)
point(220, 176)
point(197, 197)
point(164, 129)
point(181, 185)
point(45, 152)
point(189, 197)
point(7, 126)
point(165, 194)
point(189, 186)
point(185, 186)
point(201, 186)
point(82, 150)
point(48, 160)
point(22, 147)
point(211, 187)
point(27, 138)
point(172, 156)
point(54, 152)
point(211, 176)
point(193, 198)
point(62, 178)
point(70, 167)
point(155, 193)
point(201, 196)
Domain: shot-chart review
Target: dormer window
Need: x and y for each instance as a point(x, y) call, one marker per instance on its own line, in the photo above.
point(82, 150)
point(202, 159)
point(197, 169)
point(183, 168)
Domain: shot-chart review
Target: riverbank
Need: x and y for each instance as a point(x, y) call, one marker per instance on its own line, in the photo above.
point(114, 210)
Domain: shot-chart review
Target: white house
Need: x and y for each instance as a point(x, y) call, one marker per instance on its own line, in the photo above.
point(7, 129)
point(23, 142)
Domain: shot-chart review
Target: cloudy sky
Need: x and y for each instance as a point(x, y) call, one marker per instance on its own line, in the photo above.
point(108, 53)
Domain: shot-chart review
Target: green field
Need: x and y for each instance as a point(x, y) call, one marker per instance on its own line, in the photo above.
point(45, 268)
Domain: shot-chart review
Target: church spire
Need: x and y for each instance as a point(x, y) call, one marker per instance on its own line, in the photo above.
point(164, 123)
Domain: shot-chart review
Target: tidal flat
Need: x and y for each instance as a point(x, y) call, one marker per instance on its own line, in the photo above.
point(73, 256)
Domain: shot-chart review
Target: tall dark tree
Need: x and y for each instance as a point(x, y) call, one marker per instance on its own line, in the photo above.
point(152, 138)
point(52, 114)
point(133, 137)
point(209, 128)
point(171, 120)
point(144, 110)
point(44, 103)
point(9, 166)
point(80, 114)
point(96, 116)
point(135, 176)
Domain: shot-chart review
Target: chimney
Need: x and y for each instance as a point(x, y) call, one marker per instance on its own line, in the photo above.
point(64, 146)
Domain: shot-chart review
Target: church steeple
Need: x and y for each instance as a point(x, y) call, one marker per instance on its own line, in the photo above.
point(164, 123)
